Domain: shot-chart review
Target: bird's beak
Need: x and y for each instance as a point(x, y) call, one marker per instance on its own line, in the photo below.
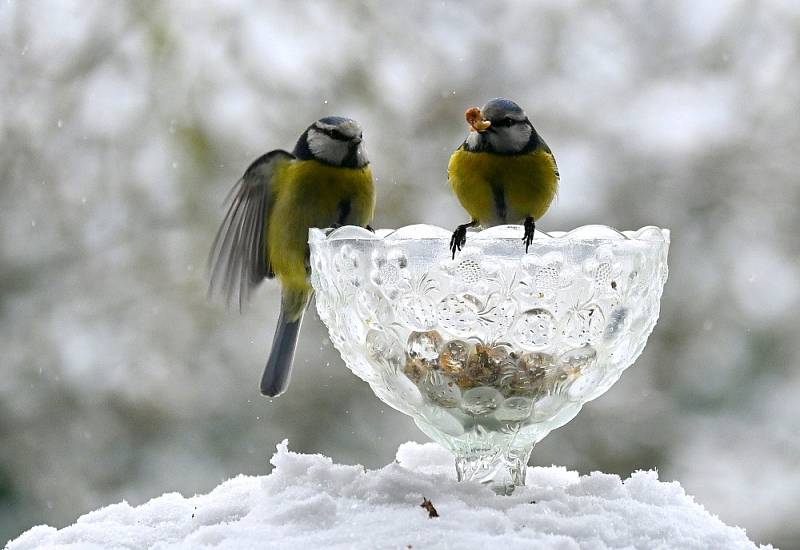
point(476, 121)
point(356, 140)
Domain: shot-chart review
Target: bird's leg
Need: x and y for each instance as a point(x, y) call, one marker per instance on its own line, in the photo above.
point(530, 228)
point(368, 227)
point(459, 238)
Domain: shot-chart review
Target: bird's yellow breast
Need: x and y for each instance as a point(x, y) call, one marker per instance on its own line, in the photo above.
point(308, 194)
point(527, 184)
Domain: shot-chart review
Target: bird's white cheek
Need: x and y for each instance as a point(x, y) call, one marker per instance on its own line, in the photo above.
point(317, 143)
point(520, 135)
point(511, 140)
point(323, 147)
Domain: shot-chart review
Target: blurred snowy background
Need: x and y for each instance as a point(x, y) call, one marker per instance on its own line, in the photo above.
point(124, 123)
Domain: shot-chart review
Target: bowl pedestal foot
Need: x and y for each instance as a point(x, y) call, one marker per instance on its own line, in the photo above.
point(501, 469)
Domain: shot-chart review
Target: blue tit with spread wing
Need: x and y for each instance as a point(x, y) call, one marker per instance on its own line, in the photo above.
point(325, 182)
point(503, 173)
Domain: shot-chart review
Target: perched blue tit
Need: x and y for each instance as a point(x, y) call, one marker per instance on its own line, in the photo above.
point(504, 172)
point(325, 182)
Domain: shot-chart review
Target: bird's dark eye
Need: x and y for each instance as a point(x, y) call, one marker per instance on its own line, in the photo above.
point(336, 134)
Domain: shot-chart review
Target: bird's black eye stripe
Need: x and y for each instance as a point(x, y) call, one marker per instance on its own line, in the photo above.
point(336, 134)
point(504, 122)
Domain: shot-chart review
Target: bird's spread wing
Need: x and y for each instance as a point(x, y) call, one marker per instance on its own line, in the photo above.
point(239, 258)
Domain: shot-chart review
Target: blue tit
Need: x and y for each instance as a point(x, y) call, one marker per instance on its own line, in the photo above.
point(504, 172)
point(325, 182)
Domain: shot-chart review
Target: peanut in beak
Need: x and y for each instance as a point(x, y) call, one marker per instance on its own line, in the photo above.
point(475, 120)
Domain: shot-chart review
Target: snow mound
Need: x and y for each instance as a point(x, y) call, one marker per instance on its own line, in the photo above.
point(310, 502)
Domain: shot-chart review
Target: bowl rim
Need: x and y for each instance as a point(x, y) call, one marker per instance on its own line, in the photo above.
point(647, 233)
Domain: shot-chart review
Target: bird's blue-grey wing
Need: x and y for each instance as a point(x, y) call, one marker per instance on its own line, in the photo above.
point(547, 150)
point(239, 258)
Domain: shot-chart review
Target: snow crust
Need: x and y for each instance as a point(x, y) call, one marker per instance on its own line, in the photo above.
point(310, 502)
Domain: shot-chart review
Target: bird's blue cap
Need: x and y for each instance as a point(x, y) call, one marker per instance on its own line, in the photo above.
point(499, 107)
point(334, 120)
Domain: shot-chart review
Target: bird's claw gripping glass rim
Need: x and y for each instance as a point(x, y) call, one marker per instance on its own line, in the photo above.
point(591, 232)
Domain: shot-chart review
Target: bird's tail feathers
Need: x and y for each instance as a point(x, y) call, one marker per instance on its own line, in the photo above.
point(277, 373)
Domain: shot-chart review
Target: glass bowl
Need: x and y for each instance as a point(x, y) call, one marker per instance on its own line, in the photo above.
point(491, 350)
